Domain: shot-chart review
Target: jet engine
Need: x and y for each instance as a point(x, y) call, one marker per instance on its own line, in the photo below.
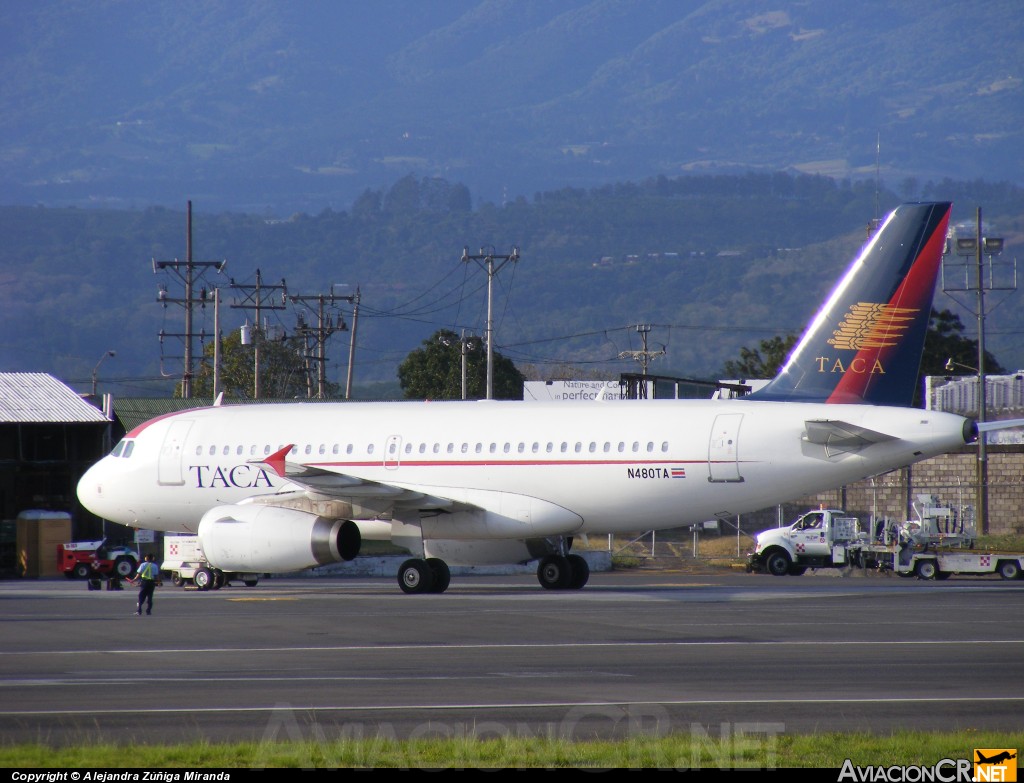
point(259, 538)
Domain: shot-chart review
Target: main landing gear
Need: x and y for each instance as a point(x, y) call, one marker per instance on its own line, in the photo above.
point(555, 572)
point(563, 572)
point(424, 576)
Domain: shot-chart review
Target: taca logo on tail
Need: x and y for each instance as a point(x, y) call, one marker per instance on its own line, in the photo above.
point(865, 344)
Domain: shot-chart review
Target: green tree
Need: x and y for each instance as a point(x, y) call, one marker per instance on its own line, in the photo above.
point(765, 361)
point(434, 371)
point(945, 341)
point(283, 372)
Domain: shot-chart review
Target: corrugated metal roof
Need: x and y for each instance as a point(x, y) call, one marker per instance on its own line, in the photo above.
point(39, 398)
point(133, 411)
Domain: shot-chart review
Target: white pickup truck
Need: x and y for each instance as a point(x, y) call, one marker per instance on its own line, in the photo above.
point(818, 539)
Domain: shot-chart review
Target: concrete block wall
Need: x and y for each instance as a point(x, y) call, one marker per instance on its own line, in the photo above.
point(951, 477)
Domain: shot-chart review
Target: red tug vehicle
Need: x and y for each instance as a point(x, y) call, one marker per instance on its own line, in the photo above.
point(95, 560)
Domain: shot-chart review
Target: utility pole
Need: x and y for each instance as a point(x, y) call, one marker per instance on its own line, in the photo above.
point(258, 297)
point(352, 344)
point(644, 356)
point(486, 259)
point(973, 250)
point(325, 327)
point(186, 272)
point(216, 343)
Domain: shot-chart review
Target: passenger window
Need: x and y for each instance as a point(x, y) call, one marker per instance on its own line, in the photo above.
point(650, 446)
point(226, 451)
point(465, 447)
point(213, 450)
point(579, 447)
point(266, 450)
point(369, 449)
point(622, 446)
point(309, 449)
point(593, 447)
point(550, 447)
point(479, 448)
point(451, 448)
point(607, 447)
point(238, 451)
point(423, 448)
point(494, 447)
point(565, 447)
point(636, 446)
point(348, 449)
point(507, 448)
point(664, 445)
point(199, 450)
point(295, 450)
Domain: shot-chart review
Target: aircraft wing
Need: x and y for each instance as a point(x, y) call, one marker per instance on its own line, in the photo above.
point(333, 484)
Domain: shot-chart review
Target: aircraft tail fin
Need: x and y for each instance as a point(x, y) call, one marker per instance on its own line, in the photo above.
point(865, 344)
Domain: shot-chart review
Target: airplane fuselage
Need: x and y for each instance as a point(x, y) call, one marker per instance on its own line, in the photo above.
point(612, 466)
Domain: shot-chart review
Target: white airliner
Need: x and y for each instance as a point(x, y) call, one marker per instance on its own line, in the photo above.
point(279, 488)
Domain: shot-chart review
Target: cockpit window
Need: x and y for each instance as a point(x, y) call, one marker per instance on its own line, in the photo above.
point(123, 449)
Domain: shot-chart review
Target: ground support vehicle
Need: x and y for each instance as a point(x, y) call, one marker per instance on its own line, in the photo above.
point(818, 539)
point(829, 538)
point(186, 564)
point(941, 565)
point(97, 560)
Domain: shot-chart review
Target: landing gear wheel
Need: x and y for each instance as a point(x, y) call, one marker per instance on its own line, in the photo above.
point(777, 564)
point(251, 582)
point(1009, 569)
point(580, 572)
point(203, 578)
point(442, 575)
point(415, 576)
point(176, 580)
point(554, 572)
point(82, 571)
point(124, 567)
point(926, 569)
point(219, 580)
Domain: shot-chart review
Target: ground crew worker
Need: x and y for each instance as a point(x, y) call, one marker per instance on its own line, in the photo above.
point(147, 577)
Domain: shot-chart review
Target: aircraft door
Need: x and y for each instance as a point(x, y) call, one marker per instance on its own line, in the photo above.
point(723, 448)
point(393, 452)
point(169, 467)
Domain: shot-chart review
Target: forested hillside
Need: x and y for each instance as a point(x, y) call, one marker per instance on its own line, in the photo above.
point(711, 262)
point(256, 104)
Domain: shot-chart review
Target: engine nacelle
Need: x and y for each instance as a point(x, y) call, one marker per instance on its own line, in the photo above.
point(258, 538)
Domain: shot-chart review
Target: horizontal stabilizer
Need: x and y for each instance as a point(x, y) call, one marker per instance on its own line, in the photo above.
point(1005, 424)
point(840, 437)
